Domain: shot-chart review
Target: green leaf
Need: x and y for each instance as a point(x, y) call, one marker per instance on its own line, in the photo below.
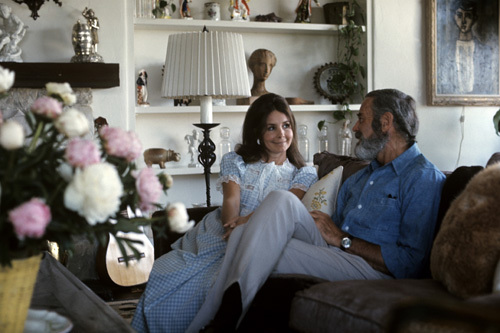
point(321, 124)
point(339, 115)
point(496, 122)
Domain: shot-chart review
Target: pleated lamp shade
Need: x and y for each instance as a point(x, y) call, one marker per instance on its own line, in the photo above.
point(205, 65)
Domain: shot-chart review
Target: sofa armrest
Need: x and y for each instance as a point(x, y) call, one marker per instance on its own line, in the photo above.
point(163, 242)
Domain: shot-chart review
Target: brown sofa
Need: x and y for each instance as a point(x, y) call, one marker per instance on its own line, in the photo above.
point(298, 303)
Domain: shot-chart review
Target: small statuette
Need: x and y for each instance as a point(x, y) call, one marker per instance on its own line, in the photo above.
point(142, 88)
point(304, 11)
point(160, 156)
point(185, 10)
point(85, 39)
point(93, 23)
point(12, 32)
point(239, 10)
point(193, 141)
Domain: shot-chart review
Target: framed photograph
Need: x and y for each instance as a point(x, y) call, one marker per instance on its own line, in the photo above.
point(463, 52)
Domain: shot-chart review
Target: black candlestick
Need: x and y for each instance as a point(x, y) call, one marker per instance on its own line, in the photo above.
point(207, 155)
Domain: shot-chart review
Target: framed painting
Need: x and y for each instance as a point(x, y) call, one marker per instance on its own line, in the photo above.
point(463, 52)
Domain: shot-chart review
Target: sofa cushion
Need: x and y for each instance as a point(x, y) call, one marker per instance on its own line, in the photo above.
point(466, 250)
point(359, 305)
point(326, 162)
point(322, 195)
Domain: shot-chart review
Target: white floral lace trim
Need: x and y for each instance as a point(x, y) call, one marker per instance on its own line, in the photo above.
point(226, 179)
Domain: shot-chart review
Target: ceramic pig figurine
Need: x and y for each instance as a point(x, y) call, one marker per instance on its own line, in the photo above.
point(160, 156)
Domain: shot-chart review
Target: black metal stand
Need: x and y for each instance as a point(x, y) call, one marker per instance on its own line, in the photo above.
point(207, 155)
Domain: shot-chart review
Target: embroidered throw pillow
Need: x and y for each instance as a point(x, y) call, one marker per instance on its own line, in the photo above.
point(322, 195)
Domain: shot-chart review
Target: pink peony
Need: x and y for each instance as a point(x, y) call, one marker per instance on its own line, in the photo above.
point(30, 219)
point(120, 143)
point(47, 106)
point(81, 153)
point(149, 188)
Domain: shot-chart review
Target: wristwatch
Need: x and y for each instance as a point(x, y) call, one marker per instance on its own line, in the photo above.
point(346, 242)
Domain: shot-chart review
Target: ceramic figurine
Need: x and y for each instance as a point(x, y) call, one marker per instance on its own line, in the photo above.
point(160, 156)
point(12, 32)
point(239, 11)
point(142, 88)
point(193, 141)
point(185, 10)
point(304, 11)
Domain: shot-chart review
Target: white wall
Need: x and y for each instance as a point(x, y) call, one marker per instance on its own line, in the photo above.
point(398, 61)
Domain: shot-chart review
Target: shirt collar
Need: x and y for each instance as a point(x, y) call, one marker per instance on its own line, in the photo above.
point(400, 162)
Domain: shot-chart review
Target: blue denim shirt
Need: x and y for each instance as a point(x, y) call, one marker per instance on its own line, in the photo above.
point(395, 206)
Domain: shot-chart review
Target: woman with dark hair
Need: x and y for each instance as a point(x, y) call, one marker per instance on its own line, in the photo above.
point(267, 159)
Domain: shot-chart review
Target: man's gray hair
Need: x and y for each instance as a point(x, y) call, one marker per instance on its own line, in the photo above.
point(401, 106)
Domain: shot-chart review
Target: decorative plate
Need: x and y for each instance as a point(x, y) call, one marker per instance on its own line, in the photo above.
point(326, 79)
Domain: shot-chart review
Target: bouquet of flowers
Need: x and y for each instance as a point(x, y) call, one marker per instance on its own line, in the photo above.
point(55, 184)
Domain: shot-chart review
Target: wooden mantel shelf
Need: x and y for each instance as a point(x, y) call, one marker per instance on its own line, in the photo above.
point(78, 75)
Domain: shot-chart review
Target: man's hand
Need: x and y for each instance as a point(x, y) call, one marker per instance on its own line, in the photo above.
point(330, 232)
point(333, 236)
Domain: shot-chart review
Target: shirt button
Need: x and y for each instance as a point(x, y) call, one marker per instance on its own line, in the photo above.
point(360, 206)
point(371, 183)
point(346, 228)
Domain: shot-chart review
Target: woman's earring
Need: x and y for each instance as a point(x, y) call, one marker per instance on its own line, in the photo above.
point(258, 142)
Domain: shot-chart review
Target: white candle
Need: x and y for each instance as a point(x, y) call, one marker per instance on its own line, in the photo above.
point(206, 110)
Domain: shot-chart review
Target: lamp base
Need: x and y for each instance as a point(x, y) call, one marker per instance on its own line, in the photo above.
point(207, 155)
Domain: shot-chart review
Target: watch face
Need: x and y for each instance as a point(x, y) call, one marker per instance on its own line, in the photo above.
point(346, 242)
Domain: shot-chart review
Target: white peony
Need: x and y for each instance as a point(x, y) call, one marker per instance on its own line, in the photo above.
point(62, 90)
point(11, 135)
point(66, 171)
point(72, 123)
point(94, 192)
point(6, 79)
point(178, 218)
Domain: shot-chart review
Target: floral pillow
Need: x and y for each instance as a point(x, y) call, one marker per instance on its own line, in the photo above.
point(322, 195)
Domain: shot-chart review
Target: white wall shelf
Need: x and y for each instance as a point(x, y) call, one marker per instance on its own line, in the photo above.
point(258, 27)
point(174, 170)
point(236, 109)
point(301, 49)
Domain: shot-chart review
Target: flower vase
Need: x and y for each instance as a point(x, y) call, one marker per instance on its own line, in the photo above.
point(16, 289)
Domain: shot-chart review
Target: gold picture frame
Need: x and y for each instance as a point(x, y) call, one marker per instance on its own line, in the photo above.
point(463, 70)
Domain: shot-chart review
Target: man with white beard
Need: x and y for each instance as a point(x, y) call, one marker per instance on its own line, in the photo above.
point(383, 227)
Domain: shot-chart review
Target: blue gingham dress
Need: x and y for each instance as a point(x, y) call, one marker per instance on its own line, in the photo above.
point(181, 278)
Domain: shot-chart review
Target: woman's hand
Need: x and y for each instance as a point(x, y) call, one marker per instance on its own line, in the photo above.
point(330, 232)
point(233, 223)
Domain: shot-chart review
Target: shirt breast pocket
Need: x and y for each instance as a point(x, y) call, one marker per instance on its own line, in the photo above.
point(388, 214)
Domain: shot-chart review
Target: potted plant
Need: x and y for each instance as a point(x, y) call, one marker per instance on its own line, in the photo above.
point(347, 83)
